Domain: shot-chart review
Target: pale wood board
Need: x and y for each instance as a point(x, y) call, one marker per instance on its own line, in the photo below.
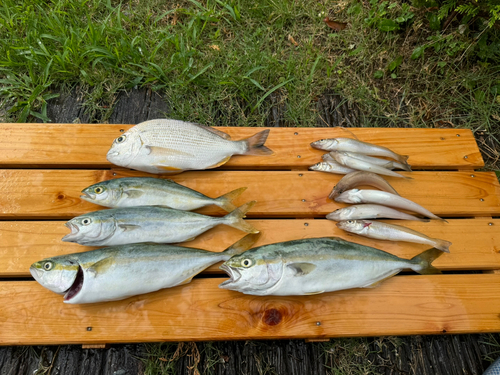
point(40, 194)
point(476, 243)
point(86, 145)
point(200, 310)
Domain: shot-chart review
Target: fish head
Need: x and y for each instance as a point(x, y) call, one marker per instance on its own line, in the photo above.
point(101, 193)
point(125, 148)
point(341, 213)
point(352, 225)
point(316, 167)
point(252, 274)
point(350, 196)
point(57, 274)
point(325, 144)
point(90, 228)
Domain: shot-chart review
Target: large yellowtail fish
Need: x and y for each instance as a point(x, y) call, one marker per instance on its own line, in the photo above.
point(119, 272)
point(317, 265)
point(173, 146)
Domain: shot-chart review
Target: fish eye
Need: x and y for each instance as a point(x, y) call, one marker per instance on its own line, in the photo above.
point(86, 221)
point(246, 263)
point(350, 221)
point(98, 190)
point(47, 266)
point(120, 139)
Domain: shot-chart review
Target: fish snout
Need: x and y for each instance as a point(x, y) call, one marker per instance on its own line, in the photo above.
point(74, 232)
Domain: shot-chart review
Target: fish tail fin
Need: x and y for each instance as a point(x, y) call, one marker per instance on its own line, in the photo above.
point(242, 245)
point(255, 144)
point(224, 201)
point(424, 260)
point(442, 245)
point(403, 159)
point(235, 218)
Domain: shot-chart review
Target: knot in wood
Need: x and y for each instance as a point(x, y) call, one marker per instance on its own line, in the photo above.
point(272, 317)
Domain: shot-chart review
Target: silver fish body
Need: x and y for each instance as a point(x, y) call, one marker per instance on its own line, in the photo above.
point(331, 167)
point(387, 164)
point(173, 146)
point(119, 226)
point(149, 191)
point(316, 265)
point(119, 272)
point(353, 179)
point(383, 198)
point(347, 159)
point(353, 145)
point(390, 232)
point(370, 211)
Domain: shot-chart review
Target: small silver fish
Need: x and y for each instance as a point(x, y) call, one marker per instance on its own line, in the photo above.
point(382, 197)
point(347, 159)
point(149, 191)
point(357, 178)
point(390, 232)
point(370, 211)
point(331, 167)
point(316, 265)
point(387, 164)
point(119, 226)
point(173, 146)
point(119, 272)
point(353, 145)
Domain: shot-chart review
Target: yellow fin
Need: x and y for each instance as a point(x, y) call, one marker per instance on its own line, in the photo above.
point(168, 168)
point(187, 281)
point(223, 161)
point(313, 293)
point(302, 269)
point(102, 266)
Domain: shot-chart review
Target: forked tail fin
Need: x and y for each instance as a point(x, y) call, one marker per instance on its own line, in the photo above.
point(224, 201)
point(423, 261)
point(242, 245)
point(255, 144)
point(235, 218)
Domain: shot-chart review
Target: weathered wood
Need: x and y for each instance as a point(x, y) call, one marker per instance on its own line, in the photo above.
point(25, 242)
point(45, 194)
point(86, 145)
point(401, 305)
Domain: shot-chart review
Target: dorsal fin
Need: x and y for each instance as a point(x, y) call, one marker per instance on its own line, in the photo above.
point(215, 131)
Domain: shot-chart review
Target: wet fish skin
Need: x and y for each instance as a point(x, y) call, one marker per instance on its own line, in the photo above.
point(316, 265)
point(149, 191)
point(346, 158)
point(119, 272)
point(391, 232)
point(357, 178)
point(174, 146)
point(353, 145)
point(383, 198)
point(119, 226)
point(331, 167)
point(370, 211)
point(387, 164)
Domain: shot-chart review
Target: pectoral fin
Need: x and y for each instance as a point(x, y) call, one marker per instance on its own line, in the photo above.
point(133, 193)
point(164, 151)
point(101, 266)
point(129, 226)
point(302, 269)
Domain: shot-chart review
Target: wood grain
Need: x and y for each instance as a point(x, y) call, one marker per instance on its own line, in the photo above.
point(55, 194)
point(402, 305)
point(476, 243)
point(86, 145)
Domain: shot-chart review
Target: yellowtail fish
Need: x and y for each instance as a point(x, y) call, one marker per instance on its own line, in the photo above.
point(119, 226)
point(119, 272)
point(353, 145)
point(317, 265)
point(390, 232)
point(149, 191)
point(173, 146)
point(357, 178)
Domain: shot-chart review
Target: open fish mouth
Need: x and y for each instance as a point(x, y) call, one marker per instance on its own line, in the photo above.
point(74, 232)
point(86, 196)
point(76, 287)
point(234, 275)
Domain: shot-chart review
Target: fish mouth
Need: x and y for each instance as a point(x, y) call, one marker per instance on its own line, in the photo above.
point(74, 232)
point(234, 275)
point(76, 287)
point(86, 196)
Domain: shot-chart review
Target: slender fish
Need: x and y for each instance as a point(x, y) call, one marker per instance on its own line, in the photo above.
point(390, 232)
point(353, 145)
point(119, 272)
point(149, 191)
point(370, 211)
point(354, 179)
point(387, 199)
point(317, 265)
point(331, 167)
point(387, 164)
point(173, 146)
point(346, 158)
point(119, 226)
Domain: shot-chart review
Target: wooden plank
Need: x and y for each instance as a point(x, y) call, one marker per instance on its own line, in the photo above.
point(200, 310)
point(86, 145)
point(51, 194)
point(476, 243)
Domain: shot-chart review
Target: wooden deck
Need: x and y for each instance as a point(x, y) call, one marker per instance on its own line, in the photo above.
point(43, 168)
